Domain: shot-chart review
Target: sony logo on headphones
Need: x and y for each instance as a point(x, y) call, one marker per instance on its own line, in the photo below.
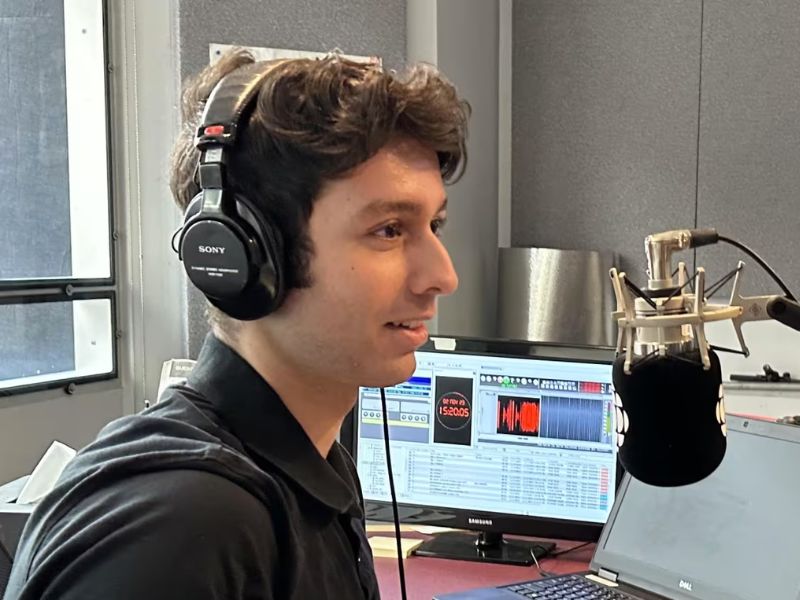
point(211, 249)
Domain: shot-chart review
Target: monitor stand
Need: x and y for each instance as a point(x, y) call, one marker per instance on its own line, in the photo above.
point(484, 547)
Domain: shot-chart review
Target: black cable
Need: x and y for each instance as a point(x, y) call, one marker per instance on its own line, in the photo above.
point(400, 567)
point(172, 241)
point(542, 572)
point(762, 263)
point(561, 552)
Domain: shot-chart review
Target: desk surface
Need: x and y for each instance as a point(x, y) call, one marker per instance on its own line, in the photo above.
point(428, 576)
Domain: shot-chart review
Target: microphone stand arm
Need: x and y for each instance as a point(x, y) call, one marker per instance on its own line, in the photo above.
point(761, 308)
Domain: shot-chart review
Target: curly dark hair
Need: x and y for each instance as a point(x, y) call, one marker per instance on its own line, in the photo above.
point(315, 120)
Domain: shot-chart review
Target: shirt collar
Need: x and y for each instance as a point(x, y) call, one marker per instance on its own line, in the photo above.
point(257, 416)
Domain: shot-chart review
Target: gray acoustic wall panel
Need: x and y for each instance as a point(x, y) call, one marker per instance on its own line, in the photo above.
point(749, 185)
point(354, 26)
point(605, 105)
point(467, 49)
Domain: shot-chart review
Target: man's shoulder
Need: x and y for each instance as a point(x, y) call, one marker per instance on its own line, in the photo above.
point(192, 493)
point(190, 530)
point(186, 502)
point(145, 487)
point(174, 440)
point(192, 504)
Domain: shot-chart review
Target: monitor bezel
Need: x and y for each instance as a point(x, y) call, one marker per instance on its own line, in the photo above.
point(486, 521)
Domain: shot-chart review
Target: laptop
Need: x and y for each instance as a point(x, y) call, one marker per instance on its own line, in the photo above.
point(732, 536)
point(5, 569)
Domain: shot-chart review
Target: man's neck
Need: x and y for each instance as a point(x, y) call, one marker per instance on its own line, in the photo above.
point(319, 406)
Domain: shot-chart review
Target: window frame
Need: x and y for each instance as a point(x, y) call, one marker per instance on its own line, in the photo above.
point(17, 291)
point(69, 383)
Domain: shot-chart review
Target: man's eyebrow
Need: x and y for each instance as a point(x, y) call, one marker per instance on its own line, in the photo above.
point(377, 208)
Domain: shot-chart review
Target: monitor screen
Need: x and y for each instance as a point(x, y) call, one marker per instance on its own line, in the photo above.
point(496, 439)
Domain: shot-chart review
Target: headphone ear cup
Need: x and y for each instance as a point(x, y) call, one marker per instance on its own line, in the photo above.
point(245, 280)
point(218, 256)
point(193, 208)
point(270, 275)
point(253, 303)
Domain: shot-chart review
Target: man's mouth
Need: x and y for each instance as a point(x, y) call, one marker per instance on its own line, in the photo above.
point(411, 333)
point(406, 324)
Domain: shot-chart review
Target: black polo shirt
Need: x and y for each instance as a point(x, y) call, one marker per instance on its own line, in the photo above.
point(216, 492)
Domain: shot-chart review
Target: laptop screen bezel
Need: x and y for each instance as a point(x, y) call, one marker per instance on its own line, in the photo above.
point(645, 577)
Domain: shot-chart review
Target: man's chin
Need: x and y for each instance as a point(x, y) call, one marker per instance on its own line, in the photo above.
point(399, 371)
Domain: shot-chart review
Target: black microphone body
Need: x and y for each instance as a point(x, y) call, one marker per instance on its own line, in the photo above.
point(670, 417)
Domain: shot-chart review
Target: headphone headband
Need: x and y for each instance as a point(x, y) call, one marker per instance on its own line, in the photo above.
point(228, 104)
point(230, 99)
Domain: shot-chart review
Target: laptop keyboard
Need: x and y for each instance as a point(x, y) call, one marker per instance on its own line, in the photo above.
point(572, 587)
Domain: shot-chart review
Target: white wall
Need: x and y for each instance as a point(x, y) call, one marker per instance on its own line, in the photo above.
point(28, 424)
point(769, 342)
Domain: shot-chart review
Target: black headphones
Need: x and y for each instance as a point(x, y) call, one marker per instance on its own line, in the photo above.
point(231, 251)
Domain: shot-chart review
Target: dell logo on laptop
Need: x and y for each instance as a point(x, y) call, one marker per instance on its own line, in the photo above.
point(685, 585)
point(476, 521)
point(211, 249)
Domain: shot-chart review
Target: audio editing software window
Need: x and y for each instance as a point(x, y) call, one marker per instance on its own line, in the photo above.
point(506, 435)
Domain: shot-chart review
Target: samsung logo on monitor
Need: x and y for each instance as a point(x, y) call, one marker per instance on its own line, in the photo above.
point(476, 521)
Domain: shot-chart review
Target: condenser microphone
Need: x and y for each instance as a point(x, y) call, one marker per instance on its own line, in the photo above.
point(670, 417)
point(670, 406)
point(670, 412)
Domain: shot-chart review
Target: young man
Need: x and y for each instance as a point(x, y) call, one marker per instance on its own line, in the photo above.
point(234, 486)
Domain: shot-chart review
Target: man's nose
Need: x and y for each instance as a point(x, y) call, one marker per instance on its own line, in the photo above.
point(434, 271)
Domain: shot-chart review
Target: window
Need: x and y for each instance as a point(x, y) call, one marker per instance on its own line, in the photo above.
point(57, 285)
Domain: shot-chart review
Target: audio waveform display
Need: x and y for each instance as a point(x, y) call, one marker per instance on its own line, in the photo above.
point(578, 419)
point(519, 416)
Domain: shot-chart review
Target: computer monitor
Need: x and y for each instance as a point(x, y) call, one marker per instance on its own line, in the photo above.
point(495, 436)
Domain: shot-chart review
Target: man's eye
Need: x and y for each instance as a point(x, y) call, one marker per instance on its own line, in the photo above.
point(437, 225)
point(389, 231)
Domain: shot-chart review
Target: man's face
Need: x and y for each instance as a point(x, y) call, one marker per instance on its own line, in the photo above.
point(377, 268)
